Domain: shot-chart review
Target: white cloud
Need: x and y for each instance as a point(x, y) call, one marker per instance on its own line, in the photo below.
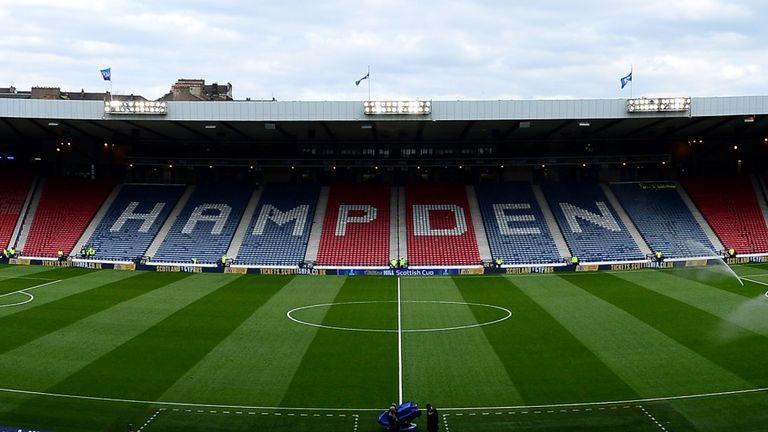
point(693, 10)
point(487, 49)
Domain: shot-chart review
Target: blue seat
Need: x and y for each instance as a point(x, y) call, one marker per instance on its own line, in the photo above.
point(664, 220)
point(279, 230)
point(515, 225)
point(589, 224)
point(206, 225)
point(129, 236)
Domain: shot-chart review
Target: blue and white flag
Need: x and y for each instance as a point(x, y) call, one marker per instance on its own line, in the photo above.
point(357, 83)
point(626, 79)
point(107, 74)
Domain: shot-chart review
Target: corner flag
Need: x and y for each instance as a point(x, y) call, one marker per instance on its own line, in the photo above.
point(626, 79)
point(106, 74)
point(357, 83)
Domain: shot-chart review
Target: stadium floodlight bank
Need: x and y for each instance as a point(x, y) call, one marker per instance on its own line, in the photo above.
point(674, 104)
point(397, 107)
point(135, 107)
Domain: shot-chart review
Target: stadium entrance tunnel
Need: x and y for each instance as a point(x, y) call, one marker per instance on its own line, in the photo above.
point(416, 316)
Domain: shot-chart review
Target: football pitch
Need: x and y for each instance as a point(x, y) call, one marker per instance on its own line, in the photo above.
point(649, 350)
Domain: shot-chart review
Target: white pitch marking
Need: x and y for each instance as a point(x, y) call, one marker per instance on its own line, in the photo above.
point(24, 291)
point(508, 314)
point(399, 345)
point(144, 426)
point(31, 288)
point(754, 281)
point(650, 416)
point(30, 297)
point(618, 402)
point(248, 407)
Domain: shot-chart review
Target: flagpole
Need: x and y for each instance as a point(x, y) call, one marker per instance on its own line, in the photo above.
point(632, 81)
point(369, 82)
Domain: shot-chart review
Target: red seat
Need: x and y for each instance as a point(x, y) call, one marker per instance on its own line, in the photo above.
point(731, 208)
point(453, 249)
point(12, 195)
point(65, 210)
point(361, 243)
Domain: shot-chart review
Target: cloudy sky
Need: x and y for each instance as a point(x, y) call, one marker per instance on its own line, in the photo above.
point(446, 50)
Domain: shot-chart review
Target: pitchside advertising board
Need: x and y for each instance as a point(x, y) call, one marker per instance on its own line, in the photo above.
point(437, 271)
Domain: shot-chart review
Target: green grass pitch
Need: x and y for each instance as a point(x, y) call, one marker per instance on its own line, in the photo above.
point(652, 350)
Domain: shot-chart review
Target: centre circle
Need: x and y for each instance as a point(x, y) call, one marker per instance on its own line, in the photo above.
point(503, 315)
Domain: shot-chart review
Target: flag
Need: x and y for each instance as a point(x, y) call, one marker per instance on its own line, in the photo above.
point(107, 74)
point(626, 79)
point(357, 83)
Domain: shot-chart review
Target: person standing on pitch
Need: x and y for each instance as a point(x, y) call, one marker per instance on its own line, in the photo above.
point(432, 419)
point(394, 419)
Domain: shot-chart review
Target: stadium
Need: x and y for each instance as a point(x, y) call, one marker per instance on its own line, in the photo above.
point(238, 265)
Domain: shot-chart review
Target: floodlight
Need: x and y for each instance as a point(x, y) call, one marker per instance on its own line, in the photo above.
point(397, 107)
point(659, 104)
point(135, 107)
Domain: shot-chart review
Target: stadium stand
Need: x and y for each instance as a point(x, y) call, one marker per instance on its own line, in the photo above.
point(12, 196)
point(663, 219)
point(66, 207)
point(730, 207)
point(516, 229)
point(356, 226)
point(205, 226)
point(440, 230)
point(133, 220)
point(591, 228)
point(279, 230)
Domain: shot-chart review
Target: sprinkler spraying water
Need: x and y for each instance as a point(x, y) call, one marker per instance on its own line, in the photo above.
point(716, 267)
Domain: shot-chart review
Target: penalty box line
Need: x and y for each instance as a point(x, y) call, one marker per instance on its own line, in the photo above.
point(30, 297)
point(23, 290)
point(754, 281)
point(543, 412)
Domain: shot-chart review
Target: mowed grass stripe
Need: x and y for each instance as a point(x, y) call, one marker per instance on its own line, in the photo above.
point(718, 275)
point(749, 313)
point(7, 270)
point(50, 359)
point(543, 358)
point(68, 286)
point(751, 269)
point(743, 354)
point(12, 284)
point(351, 369)
point(29, 324)
point(147, 365)
point(455, 367)
point(256, 363)
point(650, 362)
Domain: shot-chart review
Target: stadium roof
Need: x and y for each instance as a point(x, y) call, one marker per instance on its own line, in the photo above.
point(346, 121)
